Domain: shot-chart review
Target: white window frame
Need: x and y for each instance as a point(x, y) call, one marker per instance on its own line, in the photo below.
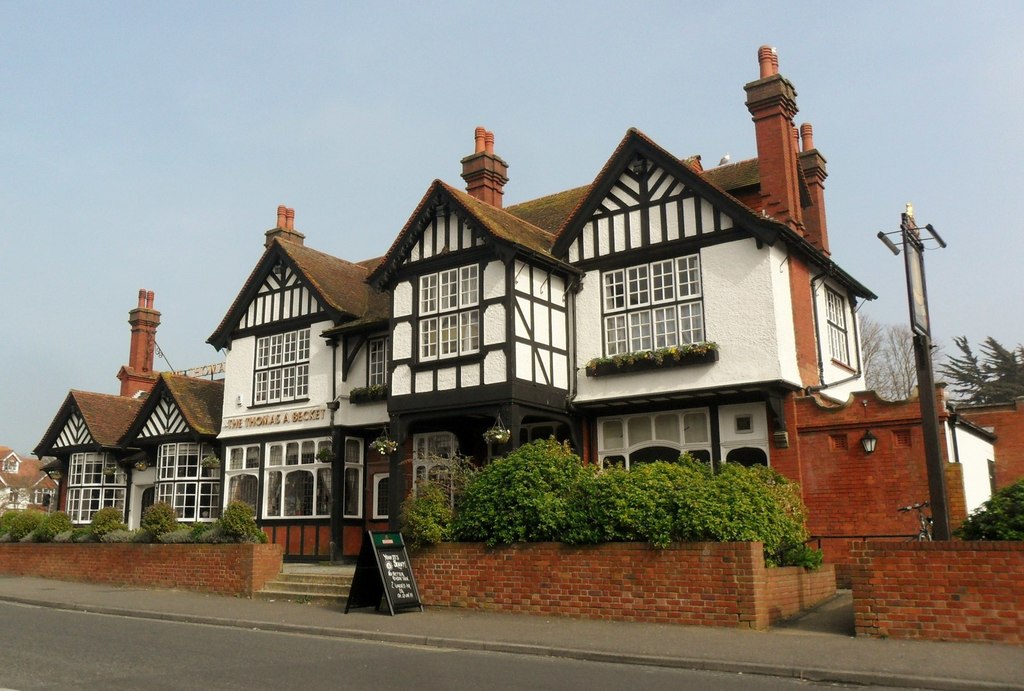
point(298, 457)
point(182, 482)
point(379, 494)
point(281, 372)
point(653, 305)
point(377, 362)
point(425, 448)
point(449, 313)
point(241, 462)
point(838, 334)
point(697, 440)
point(91, 489)
point(354, 452)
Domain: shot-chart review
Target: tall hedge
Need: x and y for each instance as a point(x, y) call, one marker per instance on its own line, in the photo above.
point(999, 518)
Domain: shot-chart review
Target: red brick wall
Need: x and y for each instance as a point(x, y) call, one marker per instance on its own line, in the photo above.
point(1007, 421)
point(851, 495)
point(940, 590)
point(714, 584)
point(226, 569)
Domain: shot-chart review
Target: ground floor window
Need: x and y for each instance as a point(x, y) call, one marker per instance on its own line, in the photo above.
point(183, 482)
point(241, 474)
point(381, 484)
point(630, 440)
point(95, 481)
point(353, 477)
point(298, 483)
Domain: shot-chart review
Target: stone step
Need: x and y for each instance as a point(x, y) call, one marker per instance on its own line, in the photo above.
point(311, 585)
point(314, 579)
point(309, 588)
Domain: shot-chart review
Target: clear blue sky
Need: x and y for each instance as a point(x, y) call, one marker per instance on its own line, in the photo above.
point(148, 144)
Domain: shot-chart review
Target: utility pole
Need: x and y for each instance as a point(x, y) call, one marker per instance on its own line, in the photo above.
point(917, 298)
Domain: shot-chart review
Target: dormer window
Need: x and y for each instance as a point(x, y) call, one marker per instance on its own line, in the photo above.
point(282, 367)
point(449, 324)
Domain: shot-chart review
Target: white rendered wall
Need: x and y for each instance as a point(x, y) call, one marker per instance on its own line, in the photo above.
point(974, 453)
point(743, 289)
point(241, 420)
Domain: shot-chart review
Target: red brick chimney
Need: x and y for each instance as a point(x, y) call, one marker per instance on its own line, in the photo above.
point(771, 101)
point(812, 163)
point(285, 229)
point(485, 173)
point(138, 375)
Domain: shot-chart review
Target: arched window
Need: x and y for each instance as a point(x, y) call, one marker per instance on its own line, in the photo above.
point(747, 456)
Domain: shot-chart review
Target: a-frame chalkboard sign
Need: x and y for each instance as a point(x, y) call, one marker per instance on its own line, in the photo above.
point(383, 569)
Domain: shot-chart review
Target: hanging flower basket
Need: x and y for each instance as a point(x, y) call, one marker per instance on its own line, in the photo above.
point(497, 435)
point(109, 471)
point(55, 475)
point(384, 445)
point(141, 465)
point(210, 462)
point(325, 455)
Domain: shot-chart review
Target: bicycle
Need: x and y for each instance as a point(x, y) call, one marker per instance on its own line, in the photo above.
point(924, 530)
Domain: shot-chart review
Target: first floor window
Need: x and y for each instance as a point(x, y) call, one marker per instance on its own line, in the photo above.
point(656, 305)
point(377, 373)
point(835, 316)
point(448, 307)
point(95, 481)
point(281, 367)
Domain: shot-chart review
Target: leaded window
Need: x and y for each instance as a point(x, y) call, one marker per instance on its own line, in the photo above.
point(95, 481)
point(183, 482)
point(298, 481)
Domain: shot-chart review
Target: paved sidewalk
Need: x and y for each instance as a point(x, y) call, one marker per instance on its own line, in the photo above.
point(816, 647)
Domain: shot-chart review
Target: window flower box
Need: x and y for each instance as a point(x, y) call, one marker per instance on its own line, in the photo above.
point(368, 394)
point(675, 356)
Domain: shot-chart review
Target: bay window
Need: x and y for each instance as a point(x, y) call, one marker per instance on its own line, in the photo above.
point(95, 481)
point(183, 482)
point(298, 482)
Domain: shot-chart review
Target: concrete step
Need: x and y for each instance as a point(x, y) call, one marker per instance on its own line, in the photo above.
point(320, 585)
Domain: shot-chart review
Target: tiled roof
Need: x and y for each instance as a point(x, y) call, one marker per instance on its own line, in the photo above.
point(200, 401)
point(550, 212)
point(339, 283)
point(107, 417)
point(30, 474)
point(503, 224)
point(735, 176)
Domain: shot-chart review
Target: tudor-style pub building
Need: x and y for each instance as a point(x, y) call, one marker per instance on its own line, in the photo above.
point(662, 308)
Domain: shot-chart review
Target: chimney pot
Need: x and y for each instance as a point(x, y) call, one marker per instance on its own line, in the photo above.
point(290, 219)
point(481, 135)
point(142, 297)
point(768, 60)
point(489, 142)
point(281, 216)
point(149, 299)
point(807, 135)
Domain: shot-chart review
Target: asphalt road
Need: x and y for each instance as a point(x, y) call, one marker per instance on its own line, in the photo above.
point(43, 648)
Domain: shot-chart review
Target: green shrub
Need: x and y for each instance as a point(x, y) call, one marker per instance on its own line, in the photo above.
point(64, 537)
point(1000, 518)
point(5, 521)
point(159, 518)
point(83, 534)
point(107, 520)
point(118, 535)
point(238, 524)
point(802, 555)
point(51, 526)
point(23, 523)
point(180, 536)
point(427, 516)
point(523, 497)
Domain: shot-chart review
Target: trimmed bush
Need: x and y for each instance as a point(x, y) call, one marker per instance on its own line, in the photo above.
point(1000, 518)
point(181, 536)
point(22, 523)
point(51, 526)
point(107, 520)
point(427, 516)
point(238, 524)
point(5, 521)
point(523, 497)
point(118, 535)
point(159, 518)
